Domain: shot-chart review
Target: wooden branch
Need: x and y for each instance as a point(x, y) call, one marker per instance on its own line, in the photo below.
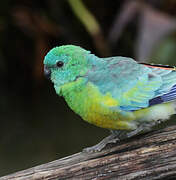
point(150, 156)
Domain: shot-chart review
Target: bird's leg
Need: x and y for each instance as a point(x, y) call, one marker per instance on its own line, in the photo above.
point(117, 135)
point(113, 138)
point(141, 129)
point(134, 132)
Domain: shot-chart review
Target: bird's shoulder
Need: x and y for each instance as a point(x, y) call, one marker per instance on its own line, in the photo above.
point(117, 74)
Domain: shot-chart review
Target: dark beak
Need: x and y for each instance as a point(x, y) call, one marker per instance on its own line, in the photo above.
point(47, 72)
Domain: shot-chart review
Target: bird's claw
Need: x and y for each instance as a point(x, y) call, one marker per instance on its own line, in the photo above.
point(92, 149)
point(102, 144)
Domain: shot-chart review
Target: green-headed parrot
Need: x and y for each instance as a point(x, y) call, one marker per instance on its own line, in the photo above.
point(116, 93)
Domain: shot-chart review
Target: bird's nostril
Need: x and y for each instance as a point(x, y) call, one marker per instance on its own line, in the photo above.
point(47, 72)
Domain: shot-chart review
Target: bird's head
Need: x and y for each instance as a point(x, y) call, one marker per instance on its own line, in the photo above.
point(65, 64)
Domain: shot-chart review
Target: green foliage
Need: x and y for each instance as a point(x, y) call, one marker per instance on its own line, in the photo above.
point(165, 52)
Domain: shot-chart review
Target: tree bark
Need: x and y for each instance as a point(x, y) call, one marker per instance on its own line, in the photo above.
point(150, 156)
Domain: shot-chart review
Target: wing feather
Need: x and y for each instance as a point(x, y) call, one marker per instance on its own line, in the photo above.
point(134, 85)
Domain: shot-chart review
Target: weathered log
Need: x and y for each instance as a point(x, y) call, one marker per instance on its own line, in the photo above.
point(150, 156)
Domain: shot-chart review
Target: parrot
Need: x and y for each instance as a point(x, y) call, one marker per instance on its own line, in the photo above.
point(116, 93)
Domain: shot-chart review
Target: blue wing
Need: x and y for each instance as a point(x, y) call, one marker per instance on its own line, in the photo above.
point(134, 85)
point(170, 96)
point(167, 92)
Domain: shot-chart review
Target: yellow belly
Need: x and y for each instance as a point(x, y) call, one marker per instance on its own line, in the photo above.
point(102, 110)
point(95, 107)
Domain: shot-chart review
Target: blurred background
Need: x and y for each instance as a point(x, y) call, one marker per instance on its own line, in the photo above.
point(36, 125)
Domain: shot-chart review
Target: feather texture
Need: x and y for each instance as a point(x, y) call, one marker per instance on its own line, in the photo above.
point(134, 86)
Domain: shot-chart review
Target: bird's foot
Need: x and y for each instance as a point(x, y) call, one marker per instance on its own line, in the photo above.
point(98, 147)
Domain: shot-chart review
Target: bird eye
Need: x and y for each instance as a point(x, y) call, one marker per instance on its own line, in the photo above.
point(59, 64)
